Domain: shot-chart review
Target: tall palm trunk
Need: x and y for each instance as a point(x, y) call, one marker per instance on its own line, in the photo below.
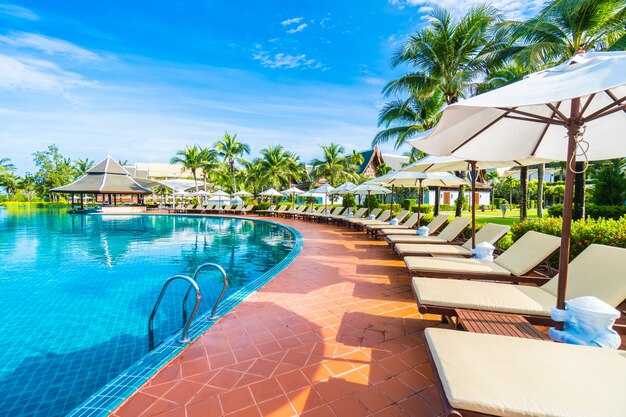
point(195, 178)
point(523, 203)
point(232, 174)
point(540, 174)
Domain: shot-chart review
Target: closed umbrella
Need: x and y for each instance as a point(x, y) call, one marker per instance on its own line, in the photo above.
point(369, 189)
point(579, 105)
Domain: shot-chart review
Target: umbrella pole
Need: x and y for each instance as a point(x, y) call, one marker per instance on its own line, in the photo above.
point(473, 170)
point(393, 188)
point(573, 130)
point(369, 202)
point(419, 205)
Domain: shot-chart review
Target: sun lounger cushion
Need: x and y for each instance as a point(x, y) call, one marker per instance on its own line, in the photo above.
point(407, 249)
point(528, 251)
point(414, 238)
point(516, 377)
point(398, 231)
point(600, 271)
point(455, 266)
point(487, 296)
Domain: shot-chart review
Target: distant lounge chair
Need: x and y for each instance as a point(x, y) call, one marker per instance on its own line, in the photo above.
point(373, 225)
point(374, 213)
point(264, 212)
point(597, 271)
point(491, 375)
point(234, 210)
point(189, 208)
point(345, 218)
point(376, 229)
point(310, 216)
point(246, 210)
point(295, 211)
point(524, 255)
point(433, 227)
point(325, 217)
point(449, 234)
point(489, 233)
point(383, 217)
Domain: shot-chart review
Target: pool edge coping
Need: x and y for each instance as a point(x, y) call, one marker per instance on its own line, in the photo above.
point(115, 392)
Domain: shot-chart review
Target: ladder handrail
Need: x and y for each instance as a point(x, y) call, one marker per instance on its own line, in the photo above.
point(187, 323)
point(213, 315)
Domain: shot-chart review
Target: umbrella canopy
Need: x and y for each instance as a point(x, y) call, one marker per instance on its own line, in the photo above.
point(344, 188)
point(292, 191)
point(433, 163)
point(182, 194)
point(200, 193)
point(324, 189)
point(243, 193)
point(219, 193)
point(578, 105)
point(369, 189)
point(270, 193)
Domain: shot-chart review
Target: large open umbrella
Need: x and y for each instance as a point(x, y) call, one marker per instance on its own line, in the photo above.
point(242, 193)
point(324, 189)
point(219, 194)
point(369, 189)
point(270, 192)
point(293, 191)
point(578, 105)
point(419, 180)
point(433, 163)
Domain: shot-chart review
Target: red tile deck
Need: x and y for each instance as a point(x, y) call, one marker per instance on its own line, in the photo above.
point(335, 334)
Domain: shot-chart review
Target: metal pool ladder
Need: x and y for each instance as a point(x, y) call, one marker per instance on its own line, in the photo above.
point(193, 284)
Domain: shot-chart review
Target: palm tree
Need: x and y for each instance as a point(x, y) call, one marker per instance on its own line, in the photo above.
point(6, 166)
point(231, 150)
point(27, 185)
point(334, 166)
point(405, 119)
point(356, 157)
point(190, 158)
point(561, 30)
point(383, 169)
point(450, 57)
point(493, 178)
point(279, 167)
point(83, 165)
point(208, 163)
point(10, 183)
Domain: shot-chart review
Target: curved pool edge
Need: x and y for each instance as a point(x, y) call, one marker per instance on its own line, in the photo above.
point(119, 389)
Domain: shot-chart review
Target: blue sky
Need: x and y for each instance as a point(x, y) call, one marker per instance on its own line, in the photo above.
point(140, 80)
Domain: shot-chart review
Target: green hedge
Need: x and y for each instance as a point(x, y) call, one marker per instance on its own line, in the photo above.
point(425, 208)
point(348, 200)
point(593, 211)
point(602, 231)
point(25, 204)
point(408, 204)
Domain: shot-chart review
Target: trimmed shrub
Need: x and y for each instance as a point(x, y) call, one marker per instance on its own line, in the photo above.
point(426, 218)
point(348, 200)
point(555, 210)
point(374, 202)
point(446, 207)
point(593, 211)
point(262, 206)
point(425, 208)
point(408, 204)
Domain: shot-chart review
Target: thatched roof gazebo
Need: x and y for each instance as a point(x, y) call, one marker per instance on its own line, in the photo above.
point(107, 179)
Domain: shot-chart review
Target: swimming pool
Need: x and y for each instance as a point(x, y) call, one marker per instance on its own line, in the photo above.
point(76, 292)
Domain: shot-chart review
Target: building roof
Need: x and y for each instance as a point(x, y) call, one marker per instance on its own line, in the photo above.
point(106, 177)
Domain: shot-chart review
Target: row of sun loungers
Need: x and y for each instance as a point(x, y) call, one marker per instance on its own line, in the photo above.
point(215, 209)
point(484, 374)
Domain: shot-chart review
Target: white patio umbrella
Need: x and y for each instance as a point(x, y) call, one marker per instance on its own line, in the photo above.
point(419, 180)
point(270, 192)
point(219, 194)
point(201, 194)
point(344, 188)
point(434, 163)
point(293, 191)
point(242, 193)
point(324, 189)
point(369, 189)
point(578, 105)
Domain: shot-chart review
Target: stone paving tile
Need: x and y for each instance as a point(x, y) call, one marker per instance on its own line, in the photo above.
point(335, 334)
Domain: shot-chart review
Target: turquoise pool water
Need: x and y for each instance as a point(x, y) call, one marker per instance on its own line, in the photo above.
point(76, 292)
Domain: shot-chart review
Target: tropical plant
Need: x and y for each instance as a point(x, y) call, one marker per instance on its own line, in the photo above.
point(404, 119)
point(27, 186)
point(54, 170)
point(10, 184)
point(209, 162)
point(356, 158)
point(610, 185)
point(278, 168)
point(189, 158)
point(383, 169)
point(231, 150)
point(83, 165)
point(6, 166)
point(492, 177)
point(334, 166)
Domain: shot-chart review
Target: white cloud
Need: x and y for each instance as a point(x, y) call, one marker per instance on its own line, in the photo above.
point(300, 28)
point(375, 81)
point(286, 61)
point(512, 9)
point(18, 12)
point(33, 74)
point(291, 21)
point(49, 46)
